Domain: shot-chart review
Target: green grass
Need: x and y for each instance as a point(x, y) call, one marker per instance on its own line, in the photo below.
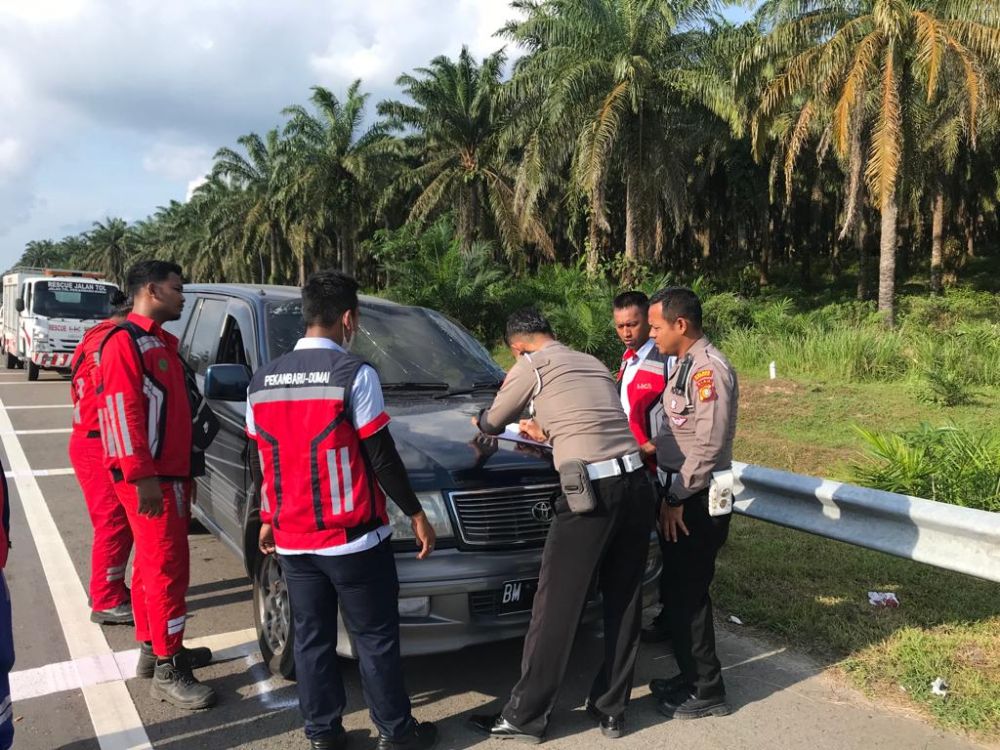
point(812, 592)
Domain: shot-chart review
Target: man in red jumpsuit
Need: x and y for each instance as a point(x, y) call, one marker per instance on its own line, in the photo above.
point(145, 418)
point(109, 597)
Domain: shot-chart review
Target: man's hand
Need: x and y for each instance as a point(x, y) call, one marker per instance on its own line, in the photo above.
point(265, 540)
point(424, 533)
point(648, 449)
point(150, 497)
point(530, 428)
point(671, 522)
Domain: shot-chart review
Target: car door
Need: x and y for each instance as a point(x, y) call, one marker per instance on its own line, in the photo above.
point(230, 476)
point(200, 347)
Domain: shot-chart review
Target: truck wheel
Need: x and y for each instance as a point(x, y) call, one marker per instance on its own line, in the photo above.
point(272, 615)
point(11, 361)
point(32, 370)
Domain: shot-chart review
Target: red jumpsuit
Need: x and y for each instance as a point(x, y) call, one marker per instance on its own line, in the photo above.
point(112, 535)
point(145, 421)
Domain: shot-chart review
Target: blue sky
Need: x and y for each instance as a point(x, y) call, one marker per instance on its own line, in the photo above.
point(113, 107)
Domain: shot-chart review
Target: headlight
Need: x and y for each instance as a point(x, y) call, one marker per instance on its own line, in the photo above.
point(437, 513)
point(40, 336)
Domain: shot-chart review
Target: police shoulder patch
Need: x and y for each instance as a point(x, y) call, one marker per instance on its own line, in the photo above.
point(707, 393)
point(704, 381)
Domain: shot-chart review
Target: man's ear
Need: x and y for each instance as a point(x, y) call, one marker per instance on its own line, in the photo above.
point(682, 326)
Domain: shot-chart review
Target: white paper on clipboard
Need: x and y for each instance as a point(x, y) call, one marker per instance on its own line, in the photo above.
point(513, 435)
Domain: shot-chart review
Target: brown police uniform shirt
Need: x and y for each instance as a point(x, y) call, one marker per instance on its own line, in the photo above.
point(576, 404)
point(696, 438)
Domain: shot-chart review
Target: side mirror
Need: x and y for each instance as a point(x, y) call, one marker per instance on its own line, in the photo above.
point(227, 382)
point(19, 305)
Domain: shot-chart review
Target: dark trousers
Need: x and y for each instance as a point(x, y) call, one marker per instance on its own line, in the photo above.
point(6, 664)
point(366, 586)
point(610, 544)
point(689, 567)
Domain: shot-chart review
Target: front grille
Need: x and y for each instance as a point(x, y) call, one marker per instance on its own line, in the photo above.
point(504, 517)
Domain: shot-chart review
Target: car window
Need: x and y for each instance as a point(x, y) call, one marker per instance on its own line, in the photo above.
point(232, 349)
point(405, 344)
point(207, 332)
point(185, 347)
point(177, 327)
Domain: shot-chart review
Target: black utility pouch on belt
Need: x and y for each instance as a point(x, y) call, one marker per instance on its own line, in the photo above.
point(576, 487)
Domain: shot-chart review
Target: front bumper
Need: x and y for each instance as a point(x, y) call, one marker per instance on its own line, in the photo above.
point(450, 576)
point(52, 360)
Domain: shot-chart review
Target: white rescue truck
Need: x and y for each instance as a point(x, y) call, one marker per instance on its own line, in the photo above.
point(45, 314)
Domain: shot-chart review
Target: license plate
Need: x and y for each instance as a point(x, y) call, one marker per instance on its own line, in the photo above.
point(517, 596)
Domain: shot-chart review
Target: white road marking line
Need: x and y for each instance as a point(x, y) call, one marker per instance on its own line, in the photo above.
point(36, 382)
point(41, 473)
point(39, 406)
point(56, 431)
point(110, 667)
point(116, 721)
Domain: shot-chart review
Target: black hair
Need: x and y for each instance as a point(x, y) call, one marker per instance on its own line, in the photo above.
point(679, 302)
point(149, 271)
point(633, 298)
point(326, 296)
point(526, 322)
point(120, 304)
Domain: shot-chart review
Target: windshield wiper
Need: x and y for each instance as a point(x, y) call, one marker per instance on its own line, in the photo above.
point(415, 386)
point(490, 385)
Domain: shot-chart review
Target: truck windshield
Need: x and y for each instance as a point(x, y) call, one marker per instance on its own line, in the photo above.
point(411, 347)
point(79, 300)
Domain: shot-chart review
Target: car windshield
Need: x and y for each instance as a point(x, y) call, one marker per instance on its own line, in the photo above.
point(79, 300)
point(411, 347)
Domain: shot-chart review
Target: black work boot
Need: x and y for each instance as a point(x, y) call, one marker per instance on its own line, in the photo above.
point(196, 658)
point(422, 736)
point(120, 615)
point(334, 741)
point(175, 683)
point(690, 706)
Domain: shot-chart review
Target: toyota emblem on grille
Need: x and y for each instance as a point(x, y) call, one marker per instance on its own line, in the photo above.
point(542, 511)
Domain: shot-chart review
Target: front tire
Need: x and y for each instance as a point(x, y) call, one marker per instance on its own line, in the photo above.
point(272, 615)
point(33, 370)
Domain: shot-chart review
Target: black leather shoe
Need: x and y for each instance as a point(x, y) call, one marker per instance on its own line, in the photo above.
point(692, 707)
point(422, 737)
point(666, 688)
point(498, 728)
point(336, 741)
point(120, 615)
point(658, 631)
point(612, 727)
point(196, 658)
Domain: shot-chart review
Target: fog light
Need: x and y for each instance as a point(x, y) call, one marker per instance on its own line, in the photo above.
point(417, 606)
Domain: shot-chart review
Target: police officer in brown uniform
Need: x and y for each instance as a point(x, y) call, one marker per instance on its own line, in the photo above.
point(576, 406)
point(694, 453)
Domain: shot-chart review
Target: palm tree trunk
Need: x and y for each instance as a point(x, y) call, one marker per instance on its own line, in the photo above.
point(937, 242)
point(861, 243)
point(593, 248)
point(887, 258)
point(631, 230)
point(349, 257)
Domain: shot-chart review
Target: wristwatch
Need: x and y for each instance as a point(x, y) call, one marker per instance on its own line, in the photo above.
point(673, 501)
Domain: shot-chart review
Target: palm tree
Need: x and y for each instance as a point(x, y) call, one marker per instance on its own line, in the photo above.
point(857, 65)
point(455, 130)
point(332, 172)
point(253, 187)
point(112, 245)
point(42, 254)
point(601, 87)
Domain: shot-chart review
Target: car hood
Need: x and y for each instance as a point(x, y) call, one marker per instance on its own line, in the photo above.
point(438, 445)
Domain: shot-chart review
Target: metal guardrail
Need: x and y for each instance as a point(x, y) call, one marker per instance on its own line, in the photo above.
point(945, 536)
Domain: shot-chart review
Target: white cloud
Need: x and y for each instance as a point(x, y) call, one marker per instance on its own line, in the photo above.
point(175, 80)
point(193, 185)
point(177, 161)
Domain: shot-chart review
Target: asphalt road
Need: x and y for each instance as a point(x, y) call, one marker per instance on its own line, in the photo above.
point(73, 687)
